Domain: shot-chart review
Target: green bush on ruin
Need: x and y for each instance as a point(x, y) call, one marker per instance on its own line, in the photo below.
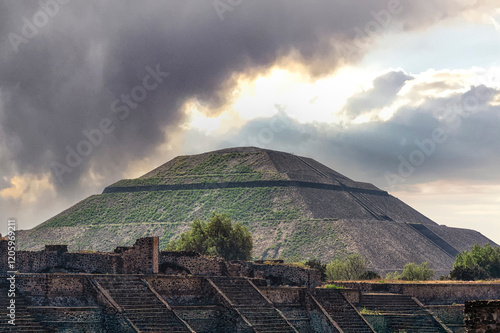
point(413, 272)
point(219, 236)
point(351, 268)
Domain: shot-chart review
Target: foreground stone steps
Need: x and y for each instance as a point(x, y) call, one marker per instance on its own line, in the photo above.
point(140, 305)
point(252, 305)
point(401, 312)
point(341, 311)
point(25, 322)
point(389, 302)
point(298, 316)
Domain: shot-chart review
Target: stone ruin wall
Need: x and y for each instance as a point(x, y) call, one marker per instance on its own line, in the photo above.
point(54, 285)
point(432, 293)
point(44, 261)
point(47, 289)
point(145, 258)
point(142, 258)
point(284, 295)
point(189, 262)
point(176, 286)
point(278, 274)
point(482, 316)
point(288, 275)
point(71, 302)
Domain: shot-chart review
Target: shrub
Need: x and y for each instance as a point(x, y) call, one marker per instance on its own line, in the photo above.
point(351, 268)
point(392, 276)
point(218, 236)
point(477, 264)
point(336, 270)
point(468, 273)
point(414, 272)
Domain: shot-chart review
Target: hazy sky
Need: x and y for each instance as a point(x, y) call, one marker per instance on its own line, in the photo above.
point(403, 94)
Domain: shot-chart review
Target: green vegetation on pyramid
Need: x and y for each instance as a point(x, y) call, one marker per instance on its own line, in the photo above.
point(242, 204)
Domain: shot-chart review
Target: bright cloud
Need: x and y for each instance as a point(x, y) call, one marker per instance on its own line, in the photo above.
point(348, 95)
point(28, 188)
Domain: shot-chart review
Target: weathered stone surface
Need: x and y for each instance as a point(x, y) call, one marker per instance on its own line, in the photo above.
point(432, 293)
point(482, 316)
point(145, 258)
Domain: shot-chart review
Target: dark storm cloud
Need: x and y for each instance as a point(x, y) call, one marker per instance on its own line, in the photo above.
point(67, 73)
point(62, 78)
point(383, 92)
point(467, 147)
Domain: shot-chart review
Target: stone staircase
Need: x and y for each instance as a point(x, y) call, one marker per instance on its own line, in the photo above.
point(204, 318)
point(369, 205)
point(140, 305)
point(401, 312)
point(346, 316)
point(252, 306)
point(438, 241)
point(298, 316)
point(25, 323)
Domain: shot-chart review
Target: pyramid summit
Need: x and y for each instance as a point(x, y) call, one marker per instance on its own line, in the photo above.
point(295, 207)
point(241, 164)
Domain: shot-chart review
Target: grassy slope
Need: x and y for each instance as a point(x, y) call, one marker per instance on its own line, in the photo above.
point(167, 213)
point(242, 204)
point(279, 222)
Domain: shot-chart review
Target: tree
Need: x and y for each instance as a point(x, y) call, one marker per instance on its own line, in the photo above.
point(351, 268)
point(219, 236)
point(414, 272)
point(477, 264)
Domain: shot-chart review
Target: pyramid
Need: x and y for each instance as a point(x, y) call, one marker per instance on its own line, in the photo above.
point(295, 207)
